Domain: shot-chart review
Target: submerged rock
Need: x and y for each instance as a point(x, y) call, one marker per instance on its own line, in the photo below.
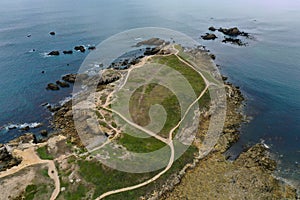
point(235, 41)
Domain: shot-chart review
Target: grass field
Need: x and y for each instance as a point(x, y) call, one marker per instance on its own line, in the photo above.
point(104, 179)
point(140, 145)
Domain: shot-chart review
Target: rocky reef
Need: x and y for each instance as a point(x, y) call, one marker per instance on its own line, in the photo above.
point(233, 32)
point(151, 42)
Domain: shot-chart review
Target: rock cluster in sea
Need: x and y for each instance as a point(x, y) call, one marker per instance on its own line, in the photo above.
point(230, 33)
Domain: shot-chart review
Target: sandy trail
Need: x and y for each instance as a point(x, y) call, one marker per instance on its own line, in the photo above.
point(29, 158)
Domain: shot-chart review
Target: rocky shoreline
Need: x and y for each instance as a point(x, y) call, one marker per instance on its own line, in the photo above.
point(213, 177)
point(250, 176)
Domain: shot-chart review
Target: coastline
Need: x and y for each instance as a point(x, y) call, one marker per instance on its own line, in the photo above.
point(64, 126)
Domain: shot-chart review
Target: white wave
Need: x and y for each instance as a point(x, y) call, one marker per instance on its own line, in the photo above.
point(21, 126)
point(65, 100)
point(45, 55)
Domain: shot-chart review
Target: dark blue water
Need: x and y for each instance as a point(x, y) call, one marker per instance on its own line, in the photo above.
point(267, 70)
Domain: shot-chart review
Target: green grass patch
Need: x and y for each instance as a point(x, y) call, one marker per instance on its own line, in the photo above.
point(140, 145)
point(204, 101)
point(105, 179)
point(78, 193)
point(44, 172)
point(32, 191)
point(187, 157)
point(189, 73)
point(43, 153)
point(148, 95)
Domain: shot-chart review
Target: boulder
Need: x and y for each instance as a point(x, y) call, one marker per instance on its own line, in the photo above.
point(52, 86)
point(26, 128)
point(44, 133)
point(26, 138)
point(69, 78)
point(212, 56)
point(92, 48)
point(209, 36)
point(68, 52)
point(4, 154)
point(152, 51)
point(62, 84)
point(52, 33)
point(212, 28)
point(231, 31)
point(80, 48)
point(54, 53)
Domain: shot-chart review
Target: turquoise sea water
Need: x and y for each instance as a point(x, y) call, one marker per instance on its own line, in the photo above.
point(267, 70)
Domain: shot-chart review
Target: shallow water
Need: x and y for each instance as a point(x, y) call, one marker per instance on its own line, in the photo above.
point(267, 70)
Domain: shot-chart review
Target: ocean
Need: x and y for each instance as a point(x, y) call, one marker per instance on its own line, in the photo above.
point(267, 69)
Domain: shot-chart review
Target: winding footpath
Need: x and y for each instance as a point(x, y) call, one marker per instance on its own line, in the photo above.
point(168, 141)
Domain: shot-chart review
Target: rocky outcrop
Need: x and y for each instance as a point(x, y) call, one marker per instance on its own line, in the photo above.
point(92, 48)
point(69, 78)
point(151, 51)
point(233, 32)
point(52, 86)
point(6, 159)
point(235, 41)
point(212, 56)
point(25, 138)
point(44, 133)
point(54, 53)
point(62, 84)
point(151, 42)
point(209, 36)
point(108, 78)
point(257, 156)
point(80, 48)
point(212, 28)
point(52, 33)
point(68, 52)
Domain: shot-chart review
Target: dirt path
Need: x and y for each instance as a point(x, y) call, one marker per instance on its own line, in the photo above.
point(29, 158)
point(168, 141)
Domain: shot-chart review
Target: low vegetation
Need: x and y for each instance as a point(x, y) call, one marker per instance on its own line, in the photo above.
point(43, 153)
